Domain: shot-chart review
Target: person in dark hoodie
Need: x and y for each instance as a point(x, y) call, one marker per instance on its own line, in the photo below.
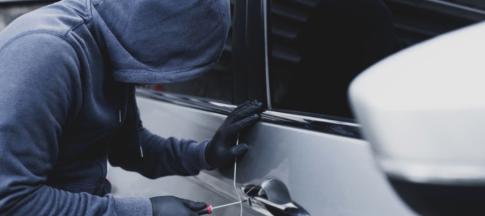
point(67, 76)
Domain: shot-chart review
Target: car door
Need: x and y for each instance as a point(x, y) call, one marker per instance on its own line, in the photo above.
point(195, 109)
point(299, 63)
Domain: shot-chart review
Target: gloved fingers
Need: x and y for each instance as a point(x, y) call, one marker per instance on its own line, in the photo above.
point(239, 150)
point(240, 106)
point(254, 107)
point(194, 206)
point(243, 123)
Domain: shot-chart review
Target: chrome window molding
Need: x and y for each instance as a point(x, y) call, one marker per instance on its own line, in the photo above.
point(323, 125)
point(266, 54)
point(448, 7)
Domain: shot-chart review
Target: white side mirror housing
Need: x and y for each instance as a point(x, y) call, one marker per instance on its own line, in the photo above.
point(423, 110)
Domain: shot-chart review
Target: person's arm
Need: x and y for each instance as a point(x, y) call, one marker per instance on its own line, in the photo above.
point(158, 156)
point(39, 92)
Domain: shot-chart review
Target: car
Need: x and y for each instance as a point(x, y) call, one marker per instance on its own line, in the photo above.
point(298, 57)
point(307, 139)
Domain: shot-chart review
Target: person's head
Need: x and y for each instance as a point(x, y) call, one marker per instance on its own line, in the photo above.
point(162, 41)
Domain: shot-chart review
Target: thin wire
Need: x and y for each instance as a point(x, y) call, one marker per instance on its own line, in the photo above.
point(225, 205)
point(236, 190)
point(234, 182)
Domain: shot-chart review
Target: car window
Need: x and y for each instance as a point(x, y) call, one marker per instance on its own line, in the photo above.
point(318, 46)
point(472, 3)
point(217, 84)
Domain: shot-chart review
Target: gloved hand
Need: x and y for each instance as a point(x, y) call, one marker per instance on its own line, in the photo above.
point(222, 150)
point(173, 206)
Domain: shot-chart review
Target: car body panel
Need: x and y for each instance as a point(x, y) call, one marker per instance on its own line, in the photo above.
point(326, 174)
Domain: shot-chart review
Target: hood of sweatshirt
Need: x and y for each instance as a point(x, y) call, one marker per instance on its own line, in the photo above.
point(162, 41)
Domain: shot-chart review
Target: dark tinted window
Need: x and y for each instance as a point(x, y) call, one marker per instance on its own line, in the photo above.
point(472, 3)
point(318, 46)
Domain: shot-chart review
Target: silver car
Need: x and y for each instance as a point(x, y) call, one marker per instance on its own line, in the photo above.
point(298, 57)
point(307, 140)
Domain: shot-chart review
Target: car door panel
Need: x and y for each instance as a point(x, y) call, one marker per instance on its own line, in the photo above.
point(167, 120)
point(328, 170)
point(326, 174)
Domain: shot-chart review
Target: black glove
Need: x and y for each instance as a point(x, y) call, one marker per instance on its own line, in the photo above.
point(173, 206)
point(221, 151)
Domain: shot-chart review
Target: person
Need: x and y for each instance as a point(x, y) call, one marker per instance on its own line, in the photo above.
point(67, 101)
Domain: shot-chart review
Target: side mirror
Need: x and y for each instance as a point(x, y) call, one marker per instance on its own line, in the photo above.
point(423, 112)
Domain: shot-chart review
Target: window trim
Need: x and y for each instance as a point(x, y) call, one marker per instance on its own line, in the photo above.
point(249, 53)
point(266, 54)
point(321, 125)
point(450, 8)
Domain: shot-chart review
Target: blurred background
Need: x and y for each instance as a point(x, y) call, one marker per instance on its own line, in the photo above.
point(11, 9)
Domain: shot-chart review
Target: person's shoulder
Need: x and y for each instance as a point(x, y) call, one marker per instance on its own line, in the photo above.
point(39, 56)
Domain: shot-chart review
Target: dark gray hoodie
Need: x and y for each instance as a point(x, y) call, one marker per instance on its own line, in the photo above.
point(67, 101)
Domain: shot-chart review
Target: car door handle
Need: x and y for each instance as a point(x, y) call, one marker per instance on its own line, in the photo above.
point(281, 207)
point(275, 197)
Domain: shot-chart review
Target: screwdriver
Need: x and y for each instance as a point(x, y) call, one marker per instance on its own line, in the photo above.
point(210, 208)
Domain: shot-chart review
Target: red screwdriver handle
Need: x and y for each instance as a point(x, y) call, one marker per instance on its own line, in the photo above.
point(206, 211)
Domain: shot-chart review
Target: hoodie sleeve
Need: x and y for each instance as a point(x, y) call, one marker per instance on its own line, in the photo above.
point(137, 149)
point(171, 155)
point(39, 89)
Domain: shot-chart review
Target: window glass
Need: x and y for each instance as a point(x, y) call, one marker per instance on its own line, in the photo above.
point(472, 3)
point(318, 46)
point(216, 84)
